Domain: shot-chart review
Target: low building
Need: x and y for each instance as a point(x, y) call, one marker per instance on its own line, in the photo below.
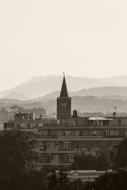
point(83, 175)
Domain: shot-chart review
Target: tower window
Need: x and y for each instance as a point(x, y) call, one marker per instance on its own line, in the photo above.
point(64, 105)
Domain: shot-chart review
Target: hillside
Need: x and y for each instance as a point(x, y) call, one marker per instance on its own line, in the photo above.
point(82, 104)
point(91, 104)
point(43, 85)
point(104, 92)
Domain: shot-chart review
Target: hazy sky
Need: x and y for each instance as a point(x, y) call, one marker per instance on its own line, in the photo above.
point(42, 37)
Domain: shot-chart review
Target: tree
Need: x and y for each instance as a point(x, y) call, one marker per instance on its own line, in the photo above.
point(16, 155)
point(83, 161)
point(120, 159)
point(90, 162)
point(102, 162)
point(116, 180)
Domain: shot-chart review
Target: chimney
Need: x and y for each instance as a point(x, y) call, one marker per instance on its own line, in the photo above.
point(75, 113)
point(114, 114)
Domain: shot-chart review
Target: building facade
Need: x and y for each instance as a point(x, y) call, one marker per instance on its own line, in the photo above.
point(59, 140)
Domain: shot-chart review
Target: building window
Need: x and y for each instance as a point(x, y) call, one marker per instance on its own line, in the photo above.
point(18, 126)
point(28, 126)
point(66, 145)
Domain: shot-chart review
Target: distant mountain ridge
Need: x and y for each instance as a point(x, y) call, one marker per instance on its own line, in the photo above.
point(45, 85)
point(82, 104)
point(104, 92)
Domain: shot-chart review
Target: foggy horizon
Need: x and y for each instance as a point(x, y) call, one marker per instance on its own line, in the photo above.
point(82, 38)
point(14, 82)
point(66, 75)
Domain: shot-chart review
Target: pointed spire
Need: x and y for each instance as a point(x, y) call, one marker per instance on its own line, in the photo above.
point(64, 91)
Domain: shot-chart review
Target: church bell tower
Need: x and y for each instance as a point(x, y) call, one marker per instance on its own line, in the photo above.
point(64, 103)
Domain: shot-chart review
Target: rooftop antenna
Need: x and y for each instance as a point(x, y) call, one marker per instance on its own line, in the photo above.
point(115, 109)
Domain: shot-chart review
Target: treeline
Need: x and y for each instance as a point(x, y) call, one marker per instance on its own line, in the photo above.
point(43, 180)
point(18, 163)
